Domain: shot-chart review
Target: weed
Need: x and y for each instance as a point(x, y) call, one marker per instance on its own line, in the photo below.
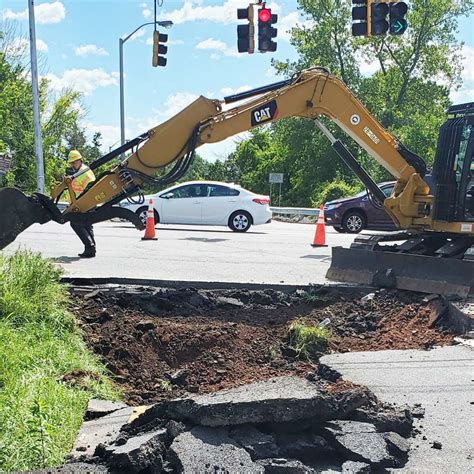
point(166, 385)
point(312, 295)
point(308, 339)
point(271, 354)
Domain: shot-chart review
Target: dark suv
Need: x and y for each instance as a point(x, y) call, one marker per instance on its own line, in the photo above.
point(357, 213)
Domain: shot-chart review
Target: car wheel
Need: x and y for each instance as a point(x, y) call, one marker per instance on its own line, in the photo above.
point(353, 222)
point(240, 221)
point(339, 229)
point(141, 213)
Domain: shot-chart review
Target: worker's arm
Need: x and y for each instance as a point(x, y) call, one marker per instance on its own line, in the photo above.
point(311, 94)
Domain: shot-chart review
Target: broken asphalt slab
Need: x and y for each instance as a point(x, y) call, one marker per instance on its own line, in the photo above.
point(361, 442)
point(97, 408)
point(279, 425)
point(210, 450)
point(441, 380)
point(276, 400)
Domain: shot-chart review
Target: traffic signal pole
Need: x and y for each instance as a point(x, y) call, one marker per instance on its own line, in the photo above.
point(369, 18)
point(251, 30)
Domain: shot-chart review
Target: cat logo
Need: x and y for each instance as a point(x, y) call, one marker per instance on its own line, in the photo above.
point(264, 113)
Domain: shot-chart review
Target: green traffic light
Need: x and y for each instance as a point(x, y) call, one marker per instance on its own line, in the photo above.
point(398, 27)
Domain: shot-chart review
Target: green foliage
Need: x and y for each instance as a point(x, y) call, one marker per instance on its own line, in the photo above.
point(334, 190)
point(39, 412)
point(409, 95)
point(59, 122)
point(308, 339)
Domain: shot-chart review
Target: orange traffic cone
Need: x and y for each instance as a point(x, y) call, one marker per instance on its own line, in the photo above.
point(320, 234)
point(150, 223)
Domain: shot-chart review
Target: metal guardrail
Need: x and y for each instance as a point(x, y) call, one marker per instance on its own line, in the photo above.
point(290, 211)
point(295, 211)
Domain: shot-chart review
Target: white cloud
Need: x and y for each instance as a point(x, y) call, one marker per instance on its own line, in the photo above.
point(89, 50)
point(467, 63)
point(292, 20)
point(20, 45)
point(45, 13)
point(41, 46)
point(466, 92)
point(146, 13)
point(224, 13)
point(270, 72)
point(212, 44)
point(110, 134)
point(229, 91)
point(82, 80)
point(177, 102)
point(136, 35)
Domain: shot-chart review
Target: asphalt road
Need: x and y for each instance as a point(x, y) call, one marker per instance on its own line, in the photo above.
point(276, 253)
point(442, 380)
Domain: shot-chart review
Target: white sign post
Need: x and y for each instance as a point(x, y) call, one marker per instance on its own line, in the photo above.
point(275, 178)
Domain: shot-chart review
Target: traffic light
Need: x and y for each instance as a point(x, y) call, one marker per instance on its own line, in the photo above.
point(159, 48)
point(378, 18)
point(360, 17)
point(398, 24)
point(369, 17)
point(266, 31)
point(245, 33)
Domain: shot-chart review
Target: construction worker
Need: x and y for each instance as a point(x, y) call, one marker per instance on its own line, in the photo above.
point(79, 184)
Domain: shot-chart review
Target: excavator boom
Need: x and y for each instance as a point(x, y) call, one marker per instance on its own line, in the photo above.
point(163, 155)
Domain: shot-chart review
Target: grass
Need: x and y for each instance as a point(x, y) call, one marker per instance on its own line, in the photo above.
point(308, 339)
point(39, 344)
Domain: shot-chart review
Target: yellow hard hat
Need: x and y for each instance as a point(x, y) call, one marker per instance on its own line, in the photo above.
point(73, 156)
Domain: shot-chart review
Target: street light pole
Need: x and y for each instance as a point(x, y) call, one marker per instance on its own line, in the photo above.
point(122, 107)
point(164, 24)
point(35, 92)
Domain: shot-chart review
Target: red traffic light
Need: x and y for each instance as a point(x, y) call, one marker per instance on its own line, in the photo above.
point(264, 14)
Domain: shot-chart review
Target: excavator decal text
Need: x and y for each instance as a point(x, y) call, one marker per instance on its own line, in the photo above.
point(264, 113)
point(371, 135)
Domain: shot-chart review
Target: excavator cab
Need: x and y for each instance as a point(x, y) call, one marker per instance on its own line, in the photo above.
point(436, 262)
point(453, 169)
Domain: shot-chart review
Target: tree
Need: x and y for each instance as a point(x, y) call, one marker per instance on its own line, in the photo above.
point(408, 93)
point(59, 116)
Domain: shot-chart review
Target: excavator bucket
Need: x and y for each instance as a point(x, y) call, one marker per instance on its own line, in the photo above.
point(17, 213)
point(424, 273)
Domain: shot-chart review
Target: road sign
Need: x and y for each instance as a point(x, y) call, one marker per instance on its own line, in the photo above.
point(5, 163)
point(275, 178)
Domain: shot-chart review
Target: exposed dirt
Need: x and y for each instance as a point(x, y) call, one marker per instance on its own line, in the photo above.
point(164, 343)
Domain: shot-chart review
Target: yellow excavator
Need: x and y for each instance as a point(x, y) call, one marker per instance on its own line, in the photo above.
point(434, 250)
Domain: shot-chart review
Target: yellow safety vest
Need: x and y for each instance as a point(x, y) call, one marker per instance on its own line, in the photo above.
point(80, 183)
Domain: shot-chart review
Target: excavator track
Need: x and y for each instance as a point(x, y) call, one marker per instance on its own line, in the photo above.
point(427, 262)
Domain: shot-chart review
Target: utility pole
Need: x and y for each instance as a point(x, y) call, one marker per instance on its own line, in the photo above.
point(36, 111)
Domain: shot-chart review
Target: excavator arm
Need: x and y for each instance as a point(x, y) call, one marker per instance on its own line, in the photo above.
point(312, 94)
point(163, 154)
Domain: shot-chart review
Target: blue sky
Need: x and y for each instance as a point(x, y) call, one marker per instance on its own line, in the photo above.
point(78, 40)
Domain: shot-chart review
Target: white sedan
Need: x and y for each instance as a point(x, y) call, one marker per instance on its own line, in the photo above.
point(207, 203)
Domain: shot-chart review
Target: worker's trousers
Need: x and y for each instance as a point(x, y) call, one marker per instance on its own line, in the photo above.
point(85, 233)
